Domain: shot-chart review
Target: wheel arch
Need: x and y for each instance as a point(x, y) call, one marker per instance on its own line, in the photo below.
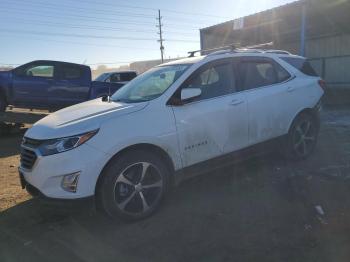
point(142, 147)
point(308, 111)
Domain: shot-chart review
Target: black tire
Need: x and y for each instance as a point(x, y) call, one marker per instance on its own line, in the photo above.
point(123, 193)
point(3, 103)
point(302, 137)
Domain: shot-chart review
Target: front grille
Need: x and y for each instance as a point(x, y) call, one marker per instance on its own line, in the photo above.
point(28, 158)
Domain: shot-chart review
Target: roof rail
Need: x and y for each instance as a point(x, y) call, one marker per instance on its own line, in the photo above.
point(229, 48)
point(279, 52)
point(248, 49)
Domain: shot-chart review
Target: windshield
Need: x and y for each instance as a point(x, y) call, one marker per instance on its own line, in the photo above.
point(150, 85)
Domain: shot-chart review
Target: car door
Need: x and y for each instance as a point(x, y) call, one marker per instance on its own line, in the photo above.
point(71, 86)
point(209, 126)
point(31, 83)
point(266, 86)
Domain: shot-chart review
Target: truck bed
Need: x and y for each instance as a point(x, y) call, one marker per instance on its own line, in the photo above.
point(22, 116)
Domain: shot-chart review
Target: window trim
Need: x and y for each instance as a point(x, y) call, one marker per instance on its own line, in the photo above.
point(174, 99)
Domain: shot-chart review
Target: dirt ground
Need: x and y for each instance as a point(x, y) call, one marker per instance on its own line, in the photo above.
point(265, 209)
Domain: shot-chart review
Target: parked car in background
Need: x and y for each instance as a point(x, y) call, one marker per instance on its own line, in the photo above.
point(176, 120)
point(50, 85)
point(117, 77)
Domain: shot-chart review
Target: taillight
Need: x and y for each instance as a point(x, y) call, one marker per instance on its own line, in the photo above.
point(322, 84)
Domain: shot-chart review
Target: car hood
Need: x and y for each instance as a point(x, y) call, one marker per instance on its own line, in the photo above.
point(80, 118)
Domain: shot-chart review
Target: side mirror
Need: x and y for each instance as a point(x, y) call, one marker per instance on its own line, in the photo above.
point(105, 98)
point(187, 94)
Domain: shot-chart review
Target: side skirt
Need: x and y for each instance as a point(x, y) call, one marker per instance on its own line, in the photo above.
point(229, 159)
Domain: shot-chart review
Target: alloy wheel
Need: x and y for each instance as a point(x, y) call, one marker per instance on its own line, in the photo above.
point(138, 188)
point(304, 138)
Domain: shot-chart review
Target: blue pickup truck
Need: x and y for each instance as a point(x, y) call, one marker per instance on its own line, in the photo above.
point(50, 85)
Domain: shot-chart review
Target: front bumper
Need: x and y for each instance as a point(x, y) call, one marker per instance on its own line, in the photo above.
point(45, 178)
point(34, 192)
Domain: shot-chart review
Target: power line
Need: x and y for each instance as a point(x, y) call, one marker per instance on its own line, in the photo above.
point(90, 36)
point(137, 48)
point(55, 14)
point(105, 11)
point(102, 11)
point(82, 43)
point(150, 8)
point(100, 28)
point(80, 17)
point(53, 24)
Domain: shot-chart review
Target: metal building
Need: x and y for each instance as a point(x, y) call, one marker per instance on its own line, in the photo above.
point(318, 29)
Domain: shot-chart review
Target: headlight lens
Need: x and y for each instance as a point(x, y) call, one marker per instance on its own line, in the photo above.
point(59, 145)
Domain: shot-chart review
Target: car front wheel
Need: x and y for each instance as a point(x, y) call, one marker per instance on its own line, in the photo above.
point(133, 185)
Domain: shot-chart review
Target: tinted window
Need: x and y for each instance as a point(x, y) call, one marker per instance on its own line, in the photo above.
point(282, 74)
point(301, 64)
point(114, 78)
point(127, 76)
point(122, 77)
point(72, 72)
point(213, 81)
point(256, 74)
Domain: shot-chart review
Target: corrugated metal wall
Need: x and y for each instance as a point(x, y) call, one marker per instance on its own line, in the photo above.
point(327, 32)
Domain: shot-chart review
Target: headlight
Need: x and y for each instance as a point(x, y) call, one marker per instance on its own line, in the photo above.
point(59, 145)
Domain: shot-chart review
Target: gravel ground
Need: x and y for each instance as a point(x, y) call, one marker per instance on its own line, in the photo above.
point(265, 209)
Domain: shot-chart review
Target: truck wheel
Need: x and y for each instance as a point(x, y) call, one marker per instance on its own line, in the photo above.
point(3, 104)
point(302, 137)
point(133, 185)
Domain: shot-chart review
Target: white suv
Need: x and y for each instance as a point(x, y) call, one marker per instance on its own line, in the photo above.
point(177, 120)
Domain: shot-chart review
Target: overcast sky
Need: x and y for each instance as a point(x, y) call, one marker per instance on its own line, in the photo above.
point(110, 31)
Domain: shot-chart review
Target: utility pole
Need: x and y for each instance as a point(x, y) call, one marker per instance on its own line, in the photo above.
point(303, 29)
point(161, 40)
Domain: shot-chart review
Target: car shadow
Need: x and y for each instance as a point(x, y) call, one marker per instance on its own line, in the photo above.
point(251, 211)
point(10, 143)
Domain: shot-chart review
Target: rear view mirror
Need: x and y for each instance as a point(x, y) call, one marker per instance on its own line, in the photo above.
point(187, 94)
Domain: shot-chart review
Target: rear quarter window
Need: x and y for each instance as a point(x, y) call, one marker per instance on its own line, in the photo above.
point(301, 64)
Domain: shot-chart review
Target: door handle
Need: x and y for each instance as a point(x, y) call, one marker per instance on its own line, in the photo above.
point(290, 89)
point(236, 102)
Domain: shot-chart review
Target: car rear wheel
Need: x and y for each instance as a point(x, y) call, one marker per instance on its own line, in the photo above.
point(302, 137)
point(133, 185)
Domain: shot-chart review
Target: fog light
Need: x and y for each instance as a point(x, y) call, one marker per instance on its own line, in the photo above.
point(70, 182)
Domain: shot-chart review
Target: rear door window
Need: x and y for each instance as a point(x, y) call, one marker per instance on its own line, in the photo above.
point(301, 64)
point(255, 73)
point(71, 72)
